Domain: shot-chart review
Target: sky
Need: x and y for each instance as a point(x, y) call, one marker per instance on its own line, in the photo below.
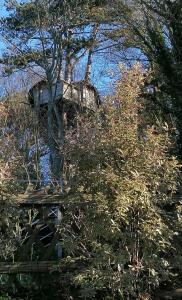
point(2, 8)
point(2, 14)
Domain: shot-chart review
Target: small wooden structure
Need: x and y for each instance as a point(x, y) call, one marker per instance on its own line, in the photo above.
point(40, 217)
point(38, 200)
point(79, 93)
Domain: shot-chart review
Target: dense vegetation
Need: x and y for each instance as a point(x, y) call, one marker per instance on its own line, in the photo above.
point(117, 170)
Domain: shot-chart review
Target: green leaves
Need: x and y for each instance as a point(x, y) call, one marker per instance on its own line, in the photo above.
point(124, 166)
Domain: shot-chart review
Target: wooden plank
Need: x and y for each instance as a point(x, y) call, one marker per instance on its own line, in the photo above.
point(29, 267)
point(36, 199)
point(39, 198)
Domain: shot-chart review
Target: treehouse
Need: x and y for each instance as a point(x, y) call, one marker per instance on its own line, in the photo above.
point(42, 212)
point(79, 94)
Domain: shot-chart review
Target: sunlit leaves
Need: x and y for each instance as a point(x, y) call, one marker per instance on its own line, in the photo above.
point(122, 164)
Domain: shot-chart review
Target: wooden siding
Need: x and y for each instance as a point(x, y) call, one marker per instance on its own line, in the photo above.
point(78, 93)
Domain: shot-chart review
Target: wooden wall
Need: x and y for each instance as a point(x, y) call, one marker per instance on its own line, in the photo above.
point(78, 93)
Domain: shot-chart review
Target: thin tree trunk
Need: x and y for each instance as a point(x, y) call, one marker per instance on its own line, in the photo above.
point(89, 65)
point(68, 70)
point(90, 53)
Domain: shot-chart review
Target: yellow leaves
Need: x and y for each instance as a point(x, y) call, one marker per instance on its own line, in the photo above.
point(3, 111)
point(130, 85)
point(127, 171)
point(81, 189)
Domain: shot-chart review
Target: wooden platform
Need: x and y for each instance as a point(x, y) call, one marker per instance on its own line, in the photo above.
point(38, 199)
point(29, 267)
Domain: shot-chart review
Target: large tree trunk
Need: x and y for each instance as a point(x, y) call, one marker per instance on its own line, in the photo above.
point(55, 126)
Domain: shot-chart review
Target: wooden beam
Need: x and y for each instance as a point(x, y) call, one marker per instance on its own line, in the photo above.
point(37, 200)
point(29, 267)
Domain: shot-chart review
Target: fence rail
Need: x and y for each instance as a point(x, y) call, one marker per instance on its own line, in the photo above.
point(29, 267)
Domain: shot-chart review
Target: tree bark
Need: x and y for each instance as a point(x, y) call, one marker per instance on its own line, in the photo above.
point(90, 52)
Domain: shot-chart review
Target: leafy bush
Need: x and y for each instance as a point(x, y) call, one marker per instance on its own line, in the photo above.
point(123, 178)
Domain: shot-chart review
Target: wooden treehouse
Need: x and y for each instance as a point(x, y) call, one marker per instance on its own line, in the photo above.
point(70, 98)
point(40, 249)
point(79, 94)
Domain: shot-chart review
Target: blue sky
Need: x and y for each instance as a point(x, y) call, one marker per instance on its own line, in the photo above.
point(2, 14)
point(2, 7)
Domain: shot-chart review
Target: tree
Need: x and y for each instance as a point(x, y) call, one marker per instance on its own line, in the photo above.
point(48, 34)
point(123, 177)
point(154, 27)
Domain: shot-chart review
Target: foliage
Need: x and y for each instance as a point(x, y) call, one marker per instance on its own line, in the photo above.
point(18, 134)
point(121, 226)
point(154, 27)
point(7, 186)
point(123, 177)
point(118, 231)
point(20, 150)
